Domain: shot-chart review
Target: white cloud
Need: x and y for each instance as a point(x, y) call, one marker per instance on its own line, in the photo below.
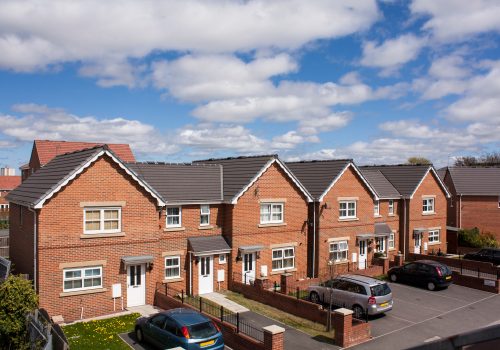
point(291, 139)
point(449, 67)
point(457, 20)
point(111, 73)
point(312, 126)
point(323, 154)
point(392, 53)
point(42, 122)
point(33, 36)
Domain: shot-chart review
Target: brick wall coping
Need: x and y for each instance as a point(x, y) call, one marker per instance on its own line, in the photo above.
point(273, 329)
point(343, 311)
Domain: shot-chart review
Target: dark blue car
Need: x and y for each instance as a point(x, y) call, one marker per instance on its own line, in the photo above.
point(179, 327)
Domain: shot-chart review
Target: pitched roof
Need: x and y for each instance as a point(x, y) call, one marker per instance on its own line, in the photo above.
point(241, 172)
point(318, 175)
point(476, 180)
point(406, 178)
point(47, 149)
point(380, 184)
point(40, 186)
point(207, 244)
point(181, 183)
point(9, 182)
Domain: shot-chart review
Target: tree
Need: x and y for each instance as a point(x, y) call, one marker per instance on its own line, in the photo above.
point(17, 298)
point(488, 159)
point(418, 161)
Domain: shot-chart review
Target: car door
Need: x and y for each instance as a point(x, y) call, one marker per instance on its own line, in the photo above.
point(325, 291)
point(340, 293)
point(496, 257)
point(155, 329)
point(409, 273)
point(425, 273)
point(171, 333)
point(355, 294)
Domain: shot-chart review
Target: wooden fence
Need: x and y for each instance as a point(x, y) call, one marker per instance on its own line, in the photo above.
point(4, 246)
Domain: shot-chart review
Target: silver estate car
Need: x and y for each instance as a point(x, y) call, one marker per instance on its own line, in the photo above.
point(358, 293)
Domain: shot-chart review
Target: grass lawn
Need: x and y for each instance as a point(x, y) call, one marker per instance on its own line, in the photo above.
point(306, 326)
point(100, 334)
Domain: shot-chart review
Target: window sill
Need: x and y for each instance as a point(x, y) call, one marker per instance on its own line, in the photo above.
point(348, 219)
point(433, 243)
point(341, 262)
point(279, 272)
point(172, 280)
point(102, 235)
point(272, 224)
point(427, 214)
point(81, 292)
point(174, 229)
point(205, 227)
point(391, 215)
point(377, 216)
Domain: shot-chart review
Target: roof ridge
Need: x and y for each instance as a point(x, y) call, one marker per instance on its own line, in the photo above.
point(154, 162)
point(89, 142)
point(103, 146)
point(239, 157)
point(393, 165)
point(321, 160)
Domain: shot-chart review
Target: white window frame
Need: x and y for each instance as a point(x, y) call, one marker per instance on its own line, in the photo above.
point(382, 244)
point(204, 213)
point(82, 278)
point(391, 241)
point(102, 220)
point(282, 258)
point(347, 209)
point(173, 216)
point(376, 208)
point(391, 207)
point(498, 202)
point(171, 267)
point(272, 206)
point(428, 205)
point(434, 236)
point(339, 251)
point(222, 258)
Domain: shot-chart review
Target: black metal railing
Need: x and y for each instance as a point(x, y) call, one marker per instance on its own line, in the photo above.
point(215, 310)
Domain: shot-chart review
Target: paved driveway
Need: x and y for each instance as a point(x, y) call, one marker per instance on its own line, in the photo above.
point(420, 316)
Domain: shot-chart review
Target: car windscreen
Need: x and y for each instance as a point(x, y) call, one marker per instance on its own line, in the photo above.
point(380, 290)
point(202, 330)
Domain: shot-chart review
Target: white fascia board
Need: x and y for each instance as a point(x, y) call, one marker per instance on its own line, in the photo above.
point(295, 181)
point(255, 178)
point(375, 195)
point(78, 171)
point(431, 168)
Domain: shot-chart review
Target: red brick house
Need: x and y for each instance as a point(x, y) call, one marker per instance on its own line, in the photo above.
point(475, 198)
point(44, 151)
point(7, 184)
point(421, 208)
point(349, 220)
point(265, 217)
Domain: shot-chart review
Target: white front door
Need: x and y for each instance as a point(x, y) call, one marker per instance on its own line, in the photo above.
point(206, 275)
point(418, 243)
point(248, 268)
point(136, 285)
point(362, 254)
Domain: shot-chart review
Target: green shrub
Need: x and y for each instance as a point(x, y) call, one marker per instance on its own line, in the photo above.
point(17, 298)
point(475, 239)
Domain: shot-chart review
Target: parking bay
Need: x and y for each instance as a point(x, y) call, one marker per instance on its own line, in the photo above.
point(419, 315)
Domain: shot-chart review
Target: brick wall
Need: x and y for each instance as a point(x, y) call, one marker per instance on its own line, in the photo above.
point(331, 226)
point(481, 212)
point(244, 222)
point(437, 220)
point(21, 228)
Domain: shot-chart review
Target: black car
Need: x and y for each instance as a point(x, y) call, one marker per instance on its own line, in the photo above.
point(428, 273)
point(491, 255)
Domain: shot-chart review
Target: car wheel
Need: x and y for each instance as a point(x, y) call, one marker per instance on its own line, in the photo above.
point(139, 335)
point(431, 286)
point(358, 311)
point(314, 297)
point(393, 277)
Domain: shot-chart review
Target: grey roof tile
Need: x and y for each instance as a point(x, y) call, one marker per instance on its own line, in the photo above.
point(476, 180)
point(384, 189)
point(179, 183)
point(208, 244)
point(317, 175)
point(238, 172)
point(404, 178)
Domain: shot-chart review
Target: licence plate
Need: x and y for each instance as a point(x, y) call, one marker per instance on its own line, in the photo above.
point(384, 304)
point(207, 343)
point(448, 277)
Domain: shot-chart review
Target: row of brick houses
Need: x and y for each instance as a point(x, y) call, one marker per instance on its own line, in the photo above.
point(87, 222)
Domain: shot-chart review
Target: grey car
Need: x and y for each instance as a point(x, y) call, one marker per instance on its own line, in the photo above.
point(361, 294)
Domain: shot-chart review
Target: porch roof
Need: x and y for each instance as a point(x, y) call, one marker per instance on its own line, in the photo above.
point(382, 229)
point(140, 259)
point(208, 245)
point(251, 248)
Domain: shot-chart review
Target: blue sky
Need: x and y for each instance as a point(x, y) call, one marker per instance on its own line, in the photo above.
point(377, 81)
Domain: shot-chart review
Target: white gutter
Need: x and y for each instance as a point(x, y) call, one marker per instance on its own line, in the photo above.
point(34, 248)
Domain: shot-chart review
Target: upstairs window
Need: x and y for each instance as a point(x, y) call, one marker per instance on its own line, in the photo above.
point(347, 209)
point(390, 242)
point(428, 205)
point(391, 207)
point(102, 220)
point(174, 217)
point(376, 208)
point(204, 215)
point(271, 213)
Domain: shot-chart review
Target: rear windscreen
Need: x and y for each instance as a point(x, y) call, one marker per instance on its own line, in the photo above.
point(380, 290)
point(202, 330)
point(444, 270)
